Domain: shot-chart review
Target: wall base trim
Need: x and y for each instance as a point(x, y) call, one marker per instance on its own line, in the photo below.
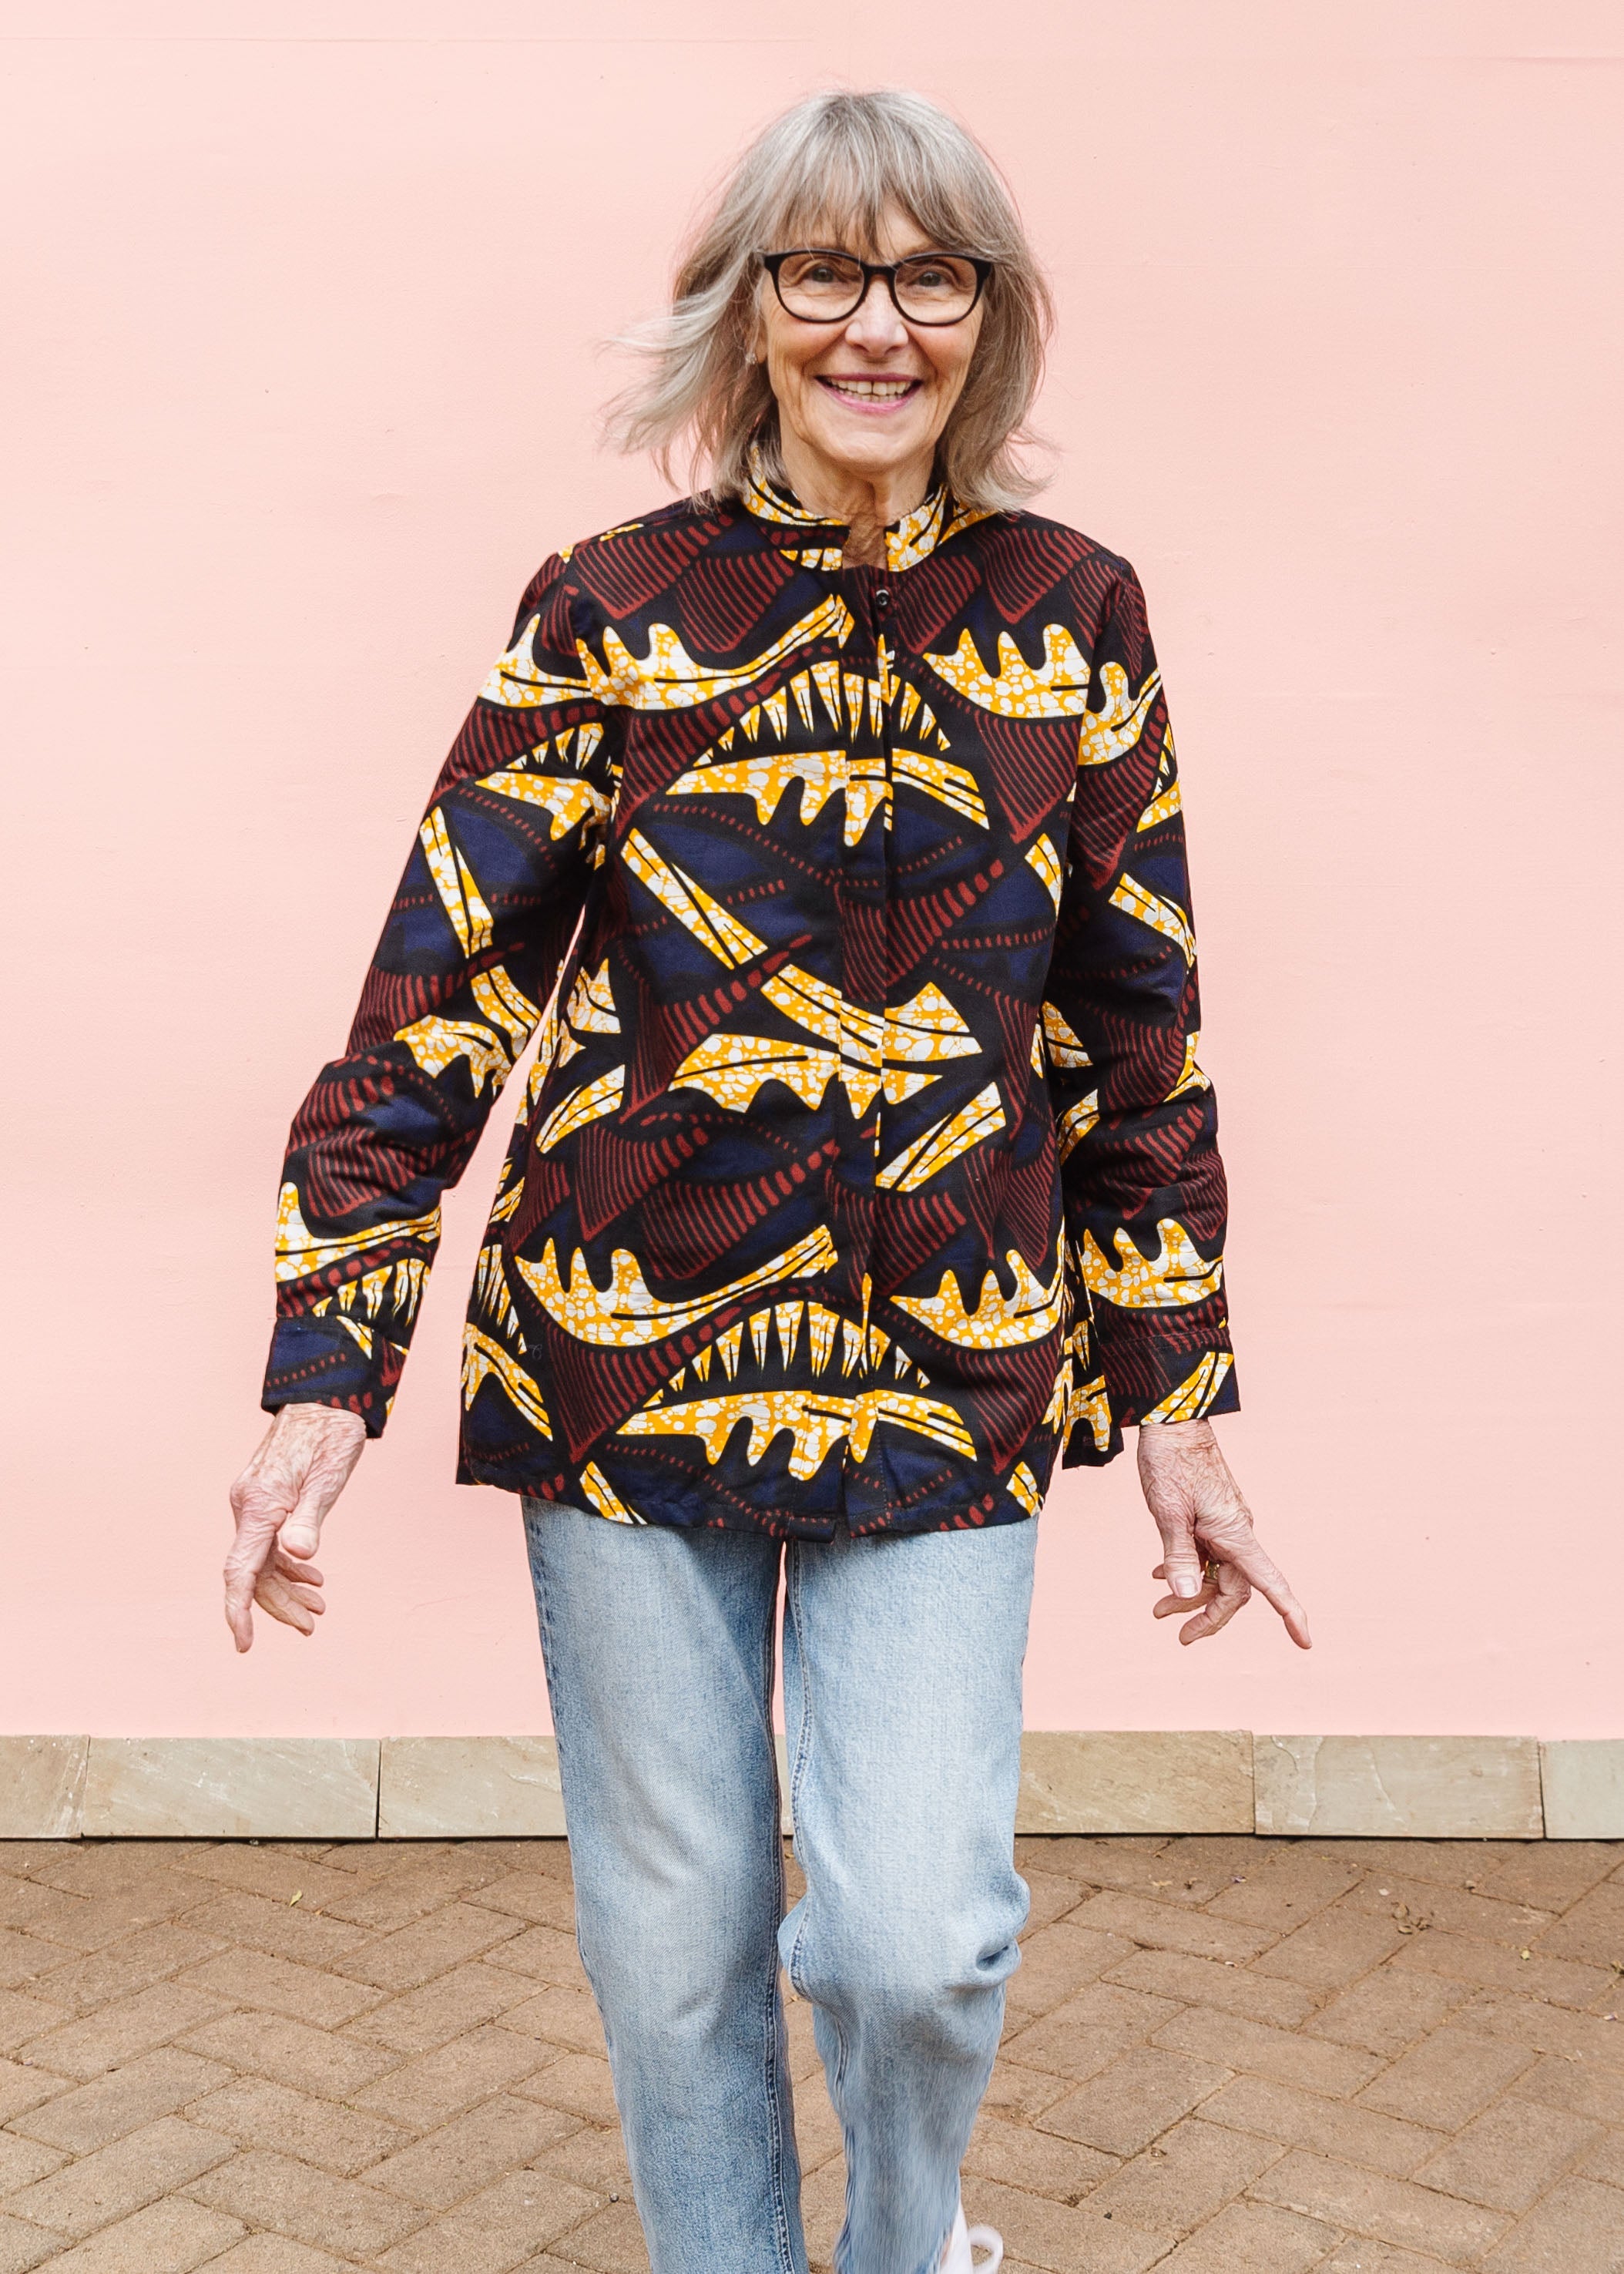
point(1072, 1781)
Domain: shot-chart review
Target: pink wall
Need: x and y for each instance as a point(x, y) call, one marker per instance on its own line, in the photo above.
point(300, 379)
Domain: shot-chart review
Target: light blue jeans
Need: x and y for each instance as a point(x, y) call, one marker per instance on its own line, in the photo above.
point(902, 1660)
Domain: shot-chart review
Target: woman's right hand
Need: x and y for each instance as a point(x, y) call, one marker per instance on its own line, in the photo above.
point(298, 1470)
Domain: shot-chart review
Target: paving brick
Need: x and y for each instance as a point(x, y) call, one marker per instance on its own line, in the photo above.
point(562, 2017)
point(410, 1892)
point(579, 2084)
point(1252, 2239)
point(1311, 2063)
point(1492, 1966)
point(1442, 1862)
point(1206, 1981)
point(1386, 2209)
point(1332, 2127)
point(256, 2113)
point(141, 1869)
point(1284, 1892)
point(125, 2098)
point(1445, 2082)
point(496, 2229)
point(150, 1954)
point(287, 1930)
point(1552, 1874)
point(29, 1907)
point(128, 2027)
point(1387, 2012)
point(1058, 1961)
point(1164, 1926)
point(471, 2150)
point(1139, 2096)
point(266, 2189)
point(436, 2086)
point(1024, 2092)
point(442, 2009)
point(23, 2247)
point(1362, 2257)
point(544, 1953)
point(1578, 2229)
point(291, 2052)
point(1080, 2037)
point(822, 2210)
point(1451, 1909)
point(1331, 1951)
point(429, 1947)
point(1044, 2164)
point(24, 2161)
point(1041, 2234)
point(275, 2254)
point(1184, 2178)
point(1548, 2028)
point(122, 2178)
point(167, 2237)
point(1603, 2159)
point(276, 1986)
point(1593, 1931)
point(23, 1957)
point(1507, 2157)
point(23, 2020)
point(1561, 2081)
point(610, 2243)
point(593, 2156)
point(801, 2042)
point(275, 1872)
point(22, 2087)
point(537, 1896)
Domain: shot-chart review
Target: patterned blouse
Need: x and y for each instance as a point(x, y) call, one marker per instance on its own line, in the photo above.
point(865, 1168)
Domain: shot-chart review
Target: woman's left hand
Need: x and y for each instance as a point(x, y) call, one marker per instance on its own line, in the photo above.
point(1211, 1557)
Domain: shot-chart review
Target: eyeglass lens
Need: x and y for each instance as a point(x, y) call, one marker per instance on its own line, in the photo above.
point(933, 287)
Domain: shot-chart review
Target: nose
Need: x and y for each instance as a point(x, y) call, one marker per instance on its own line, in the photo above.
point(877, 322)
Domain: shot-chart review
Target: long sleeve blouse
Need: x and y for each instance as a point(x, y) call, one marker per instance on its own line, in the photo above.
point(865, 1169)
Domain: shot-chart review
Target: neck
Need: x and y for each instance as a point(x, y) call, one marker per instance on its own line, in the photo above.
point(868, 503)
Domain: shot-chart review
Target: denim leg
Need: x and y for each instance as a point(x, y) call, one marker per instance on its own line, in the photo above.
point(658, 1646)
point(902, 1671)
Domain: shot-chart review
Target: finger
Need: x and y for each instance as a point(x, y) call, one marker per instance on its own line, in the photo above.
point(1180, 1558)
point(278, 1601)
point(1232, 1594)
point(1250, 1556)
point(1173, 1606)
point(304, 1574)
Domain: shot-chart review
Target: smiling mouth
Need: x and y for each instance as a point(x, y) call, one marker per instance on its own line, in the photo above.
point(872, 393)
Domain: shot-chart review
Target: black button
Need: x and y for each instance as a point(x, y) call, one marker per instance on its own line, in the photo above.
point(881, 599)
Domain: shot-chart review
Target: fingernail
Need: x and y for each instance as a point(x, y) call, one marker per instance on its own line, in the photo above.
point(1185, 1586)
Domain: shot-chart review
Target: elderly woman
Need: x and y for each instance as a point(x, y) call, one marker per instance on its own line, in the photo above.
point(865, 1172)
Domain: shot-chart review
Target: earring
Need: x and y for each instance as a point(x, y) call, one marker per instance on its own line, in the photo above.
point(749, 355)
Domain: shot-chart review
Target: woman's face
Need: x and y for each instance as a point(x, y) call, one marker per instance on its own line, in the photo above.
point(867, 397)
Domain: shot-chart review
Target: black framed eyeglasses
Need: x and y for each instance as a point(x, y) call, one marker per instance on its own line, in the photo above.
point(820, 285)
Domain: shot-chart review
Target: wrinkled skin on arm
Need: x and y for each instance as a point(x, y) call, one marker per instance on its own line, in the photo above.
point(1211, 1558)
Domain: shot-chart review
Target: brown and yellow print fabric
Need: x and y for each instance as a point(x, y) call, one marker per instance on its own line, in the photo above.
point(865, 1168)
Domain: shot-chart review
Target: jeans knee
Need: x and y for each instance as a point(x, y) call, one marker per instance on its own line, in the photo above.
point(926, 1980)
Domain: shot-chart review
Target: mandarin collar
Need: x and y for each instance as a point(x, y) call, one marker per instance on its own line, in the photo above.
point(789, 524)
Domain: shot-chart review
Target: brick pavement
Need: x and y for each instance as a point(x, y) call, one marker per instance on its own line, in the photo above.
point(1223, 2056)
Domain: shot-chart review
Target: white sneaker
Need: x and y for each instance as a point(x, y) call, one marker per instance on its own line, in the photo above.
point(957, 2258)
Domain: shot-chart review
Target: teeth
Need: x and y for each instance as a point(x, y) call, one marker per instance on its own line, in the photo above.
point(885, 389)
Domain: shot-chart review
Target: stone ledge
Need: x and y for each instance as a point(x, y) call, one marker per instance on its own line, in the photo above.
point(1072, 1781)
point(1399, 1787)
point(42, 1787)
point(1582, 1779)
point(231, 1789)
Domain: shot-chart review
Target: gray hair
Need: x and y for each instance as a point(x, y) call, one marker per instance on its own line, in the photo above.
point(841, 159)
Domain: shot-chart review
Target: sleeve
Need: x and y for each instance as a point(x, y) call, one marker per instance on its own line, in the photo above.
point(1136, 1121)
point(496, 880)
